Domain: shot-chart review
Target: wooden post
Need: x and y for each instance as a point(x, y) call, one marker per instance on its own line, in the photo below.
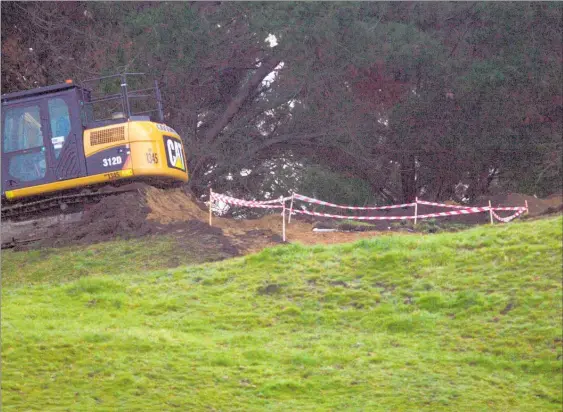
point(526, 212)
point(415, 209)
point(290, 209)
point(210, 206)
point(283, 221)
point(491, 212)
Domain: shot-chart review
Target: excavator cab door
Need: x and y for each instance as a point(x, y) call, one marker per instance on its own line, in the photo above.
point(24, 152)
point(41, 140)
point(65, 136)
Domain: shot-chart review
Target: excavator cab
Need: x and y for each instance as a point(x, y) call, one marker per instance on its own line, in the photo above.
point(41, 137)
point(66, 137)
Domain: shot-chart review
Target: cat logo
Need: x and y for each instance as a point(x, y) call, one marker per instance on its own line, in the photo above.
point(174, 153)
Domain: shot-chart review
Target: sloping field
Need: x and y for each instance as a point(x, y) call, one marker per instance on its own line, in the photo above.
point(464, 321)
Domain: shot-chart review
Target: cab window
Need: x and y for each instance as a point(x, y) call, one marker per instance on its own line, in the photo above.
point(22, 131)
point(60, 123)
point(27, 167)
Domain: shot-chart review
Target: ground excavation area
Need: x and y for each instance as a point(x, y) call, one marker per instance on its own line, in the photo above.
point(148, 212)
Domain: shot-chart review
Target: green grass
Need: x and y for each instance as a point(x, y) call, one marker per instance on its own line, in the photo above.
point(110, 258)
point(465, 321)
point(431, 226)
point(356, 223)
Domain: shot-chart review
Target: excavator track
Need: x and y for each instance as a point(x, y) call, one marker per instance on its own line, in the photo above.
point(20, 210)
point(62, 202)
point(31, 220)
point(20, 221)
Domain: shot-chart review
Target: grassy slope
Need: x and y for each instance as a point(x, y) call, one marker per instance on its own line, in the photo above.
point(464, 321)
point(110, 258)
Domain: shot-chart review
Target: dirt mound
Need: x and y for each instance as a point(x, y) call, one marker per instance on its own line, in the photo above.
point(535, 206)
point(120, 216)
point(175, 205)
point(146, 211)
point(555, 200)
point(553, 210)
point(127, 215)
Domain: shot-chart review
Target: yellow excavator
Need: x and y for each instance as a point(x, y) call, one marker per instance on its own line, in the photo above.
point(61, 144)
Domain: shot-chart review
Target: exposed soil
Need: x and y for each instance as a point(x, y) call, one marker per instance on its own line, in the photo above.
point(535, 206)
point(126, 216)
point(553, 210)
point(247, 235)
point(150, 211)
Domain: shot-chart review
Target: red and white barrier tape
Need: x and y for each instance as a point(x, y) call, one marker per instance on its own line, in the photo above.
point(321, 202)
point(424, 202)
point(508, 218)
point(280, 204)
point(466, 211)
point(268, 204)
point(515, 208)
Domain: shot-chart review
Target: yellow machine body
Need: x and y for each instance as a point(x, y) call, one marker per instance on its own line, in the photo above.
point(136, 150)
point(59, 138)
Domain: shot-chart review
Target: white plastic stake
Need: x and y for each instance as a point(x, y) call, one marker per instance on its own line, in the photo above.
point(491, 212)
point(415, 209)
point(210, 207)
point(290, 209)
point(283, 221)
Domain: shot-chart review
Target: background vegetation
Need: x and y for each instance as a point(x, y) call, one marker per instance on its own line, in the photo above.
point(442, 100)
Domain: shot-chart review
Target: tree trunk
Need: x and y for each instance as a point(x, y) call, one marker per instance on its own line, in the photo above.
point(237, 102)
point(408, 175)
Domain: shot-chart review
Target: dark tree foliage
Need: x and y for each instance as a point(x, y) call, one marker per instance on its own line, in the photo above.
point(441, 100)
